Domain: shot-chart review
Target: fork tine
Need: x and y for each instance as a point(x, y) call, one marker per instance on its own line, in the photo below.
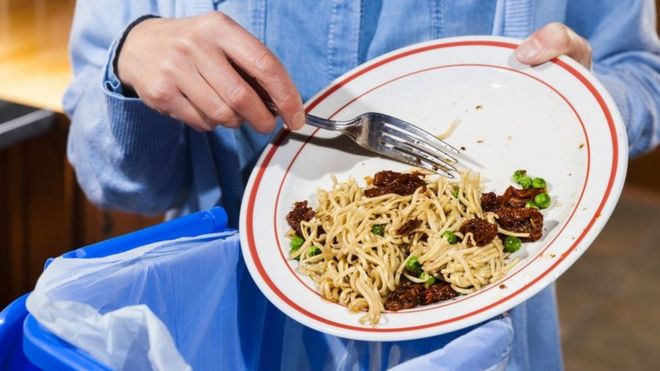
point(394, 150)
point(401, 144)
point(416, 147)
point(425, 136)
point(407, 126)
point(428, 144)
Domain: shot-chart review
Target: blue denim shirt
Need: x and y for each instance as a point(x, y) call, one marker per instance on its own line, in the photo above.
point(130, 157)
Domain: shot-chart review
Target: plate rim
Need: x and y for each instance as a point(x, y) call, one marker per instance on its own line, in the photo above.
point(492, 309)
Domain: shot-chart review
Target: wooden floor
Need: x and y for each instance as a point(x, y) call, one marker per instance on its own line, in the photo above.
point(609, 301)
point(34, 67)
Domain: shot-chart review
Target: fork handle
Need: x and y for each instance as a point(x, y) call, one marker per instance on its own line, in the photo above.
point(268, 101)
point(315, 120)
point(327, 124)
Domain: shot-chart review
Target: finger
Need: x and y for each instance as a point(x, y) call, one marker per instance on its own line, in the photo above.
point(163, 94)
point(236, 92)
point(182, 109)
point(255, 58)
point(200, 93)
point(551, 41)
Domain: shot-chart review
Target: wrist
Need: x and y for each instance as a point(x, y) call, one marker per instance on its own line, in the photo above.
point(120, 63)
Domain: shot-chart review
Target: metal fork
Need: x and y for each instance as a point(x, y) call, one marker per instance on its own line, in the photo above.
point(393, 138)
point(381, 133)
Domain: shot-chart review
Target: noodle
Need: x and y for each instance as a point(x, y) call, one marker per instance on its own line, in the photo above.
point(450, 130)
point(358, 268)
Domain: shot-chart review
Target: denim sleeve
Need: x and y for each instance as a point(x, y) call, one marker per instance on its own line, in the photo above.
point(126, 156)
point(626, 55)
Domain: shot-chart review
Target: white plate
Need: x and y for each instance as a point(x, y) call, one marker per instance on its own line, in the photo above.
point(555, 120)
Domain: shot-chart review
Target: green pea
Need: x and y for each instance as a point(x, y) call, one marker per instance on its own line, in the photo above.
point(542, 200)
point(427, 278)
point(512, 244)
point(296, 242)
point(531, 204)
point(413, 266)
point(454, 192)
point(525, 182)
point(378, 229)
point(450, 236)
point(538, 183)
point(313, 251)
point(519, 174)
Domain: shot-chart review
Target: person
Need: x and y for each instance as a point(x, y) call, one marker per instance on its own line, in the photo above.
point(162, 120)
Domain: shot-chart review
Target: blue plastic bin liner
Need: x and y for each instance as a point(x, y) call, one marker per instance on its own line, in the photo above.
point(164, 306)
point(190, 303)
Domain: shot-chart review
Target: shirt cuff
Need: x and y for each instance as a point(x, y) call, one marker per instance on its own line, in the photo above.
point(112, 83)
point(139, 129)
point(135, 126)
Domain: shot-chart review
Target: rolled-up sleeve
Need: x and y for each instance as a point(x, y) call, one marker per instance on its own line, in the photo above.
point(126, 156)
point(626, 54)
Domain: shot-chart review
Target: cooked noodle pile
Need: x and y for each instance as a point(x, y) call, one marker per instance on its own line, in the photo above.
point(358, 268)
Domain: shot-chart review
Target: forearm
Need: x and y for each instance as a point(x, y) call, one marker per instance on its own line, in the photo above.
point(125, 155)
point(635, 87)
point(626, 54)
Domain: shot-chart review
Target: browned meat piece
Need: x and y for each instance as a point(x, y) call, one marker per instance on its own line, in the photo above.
point(489, 202)
point(392, 182)
point(482, 231)
point(525, 220)
point(516, 202)
point(415, 294)
point(527, 194)
point(385, 177)
point(301, 212)
point(438, 292)
point(404, 297)
point(409, 226)
point(512, 197)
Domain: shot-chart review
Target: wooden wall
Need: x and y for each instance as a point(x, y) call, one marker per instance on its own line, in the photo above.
point(43, 213)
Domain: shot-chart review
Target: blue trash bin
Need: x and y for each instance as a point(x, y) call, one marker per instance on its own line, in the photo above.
point(43, 350)
point(11, 336)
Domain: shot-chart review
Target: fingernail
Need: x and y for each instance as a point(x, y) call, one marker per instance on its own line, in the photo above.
point(298, 120)
point(528, 50)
